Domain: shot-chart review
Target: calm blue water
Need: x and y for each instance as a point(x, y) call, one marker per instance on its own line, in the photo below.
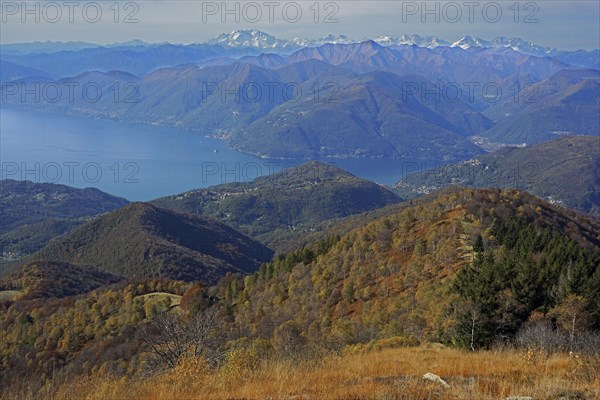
point(138, 162)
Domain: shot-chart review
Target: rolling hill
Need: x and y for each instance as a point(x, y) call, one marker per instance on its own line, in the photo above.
point(141, 241)
point(280, 207)
point(26, 202)
point(565, 171)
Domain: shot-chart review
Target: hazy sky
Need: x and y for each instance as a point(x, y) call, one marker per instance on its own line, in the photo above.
point(560, 24)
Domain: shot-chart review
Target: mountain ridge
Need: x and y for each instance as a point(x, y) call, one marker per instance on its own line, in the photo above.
point(281, 207)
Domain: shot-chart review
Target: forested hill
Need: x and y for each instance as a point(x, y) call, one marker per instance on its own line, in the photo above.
point(142, 241)
point(33, 213)
point(290, 203)
point(26, 202)
point(423, 271)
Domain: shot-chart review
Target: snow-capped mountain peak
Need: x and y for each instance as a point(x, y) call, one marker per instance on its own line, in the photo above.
point(429, 41)
point(468, 42)
point(263, 41)
point(521, 45)
point(246, 38)
point(260, 40)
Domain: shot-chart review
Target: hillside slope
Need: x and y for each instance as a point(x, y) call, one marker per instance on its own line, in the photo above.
point(26, 202)
point(372, 115)
point(140, 241)
point(26, 239)
point(567, 103)
point(404, 274)
point(565, 171)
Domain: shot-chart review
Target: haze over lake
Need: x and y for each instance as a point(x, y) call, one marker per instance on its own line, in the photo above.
point(139, 162)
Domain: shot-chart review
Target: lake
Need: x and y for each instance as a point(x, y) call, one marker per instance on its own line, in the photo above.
point(140, 162)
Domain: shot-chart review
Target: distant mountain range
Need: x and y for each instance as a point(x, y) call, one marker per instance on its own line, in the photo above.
point(264, 41)
point(351, 100)
point(10, 72)
point(261, 40)
point(566, 103)
point(565, 171)
point(135, 59)
point(339, 99)
point(49, 47)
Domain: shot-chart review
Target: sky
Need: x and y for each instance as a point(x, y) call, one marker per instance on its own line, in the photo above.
point(565, 25)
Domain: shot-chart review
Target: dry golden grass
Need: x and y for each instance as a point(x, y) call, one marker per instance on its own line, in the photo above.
point(384, 374)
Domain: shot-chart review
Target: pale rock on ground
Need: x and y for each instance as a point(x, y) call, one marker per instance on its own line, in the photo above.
point(435, 378)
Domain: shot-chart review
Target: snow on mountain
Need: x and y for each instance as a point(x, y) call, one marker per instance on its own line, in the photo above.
point(428, 41)
point(432, 42)
point(248, 38)
point(522, 46)
point(263, 41)
point(516, 44)
point(469, 42)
